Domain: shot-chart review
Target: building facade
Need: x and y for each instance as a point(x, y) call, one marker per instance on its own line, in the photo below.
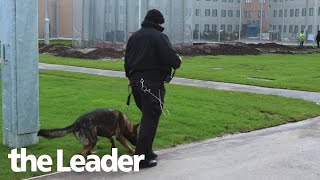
point(290, 17)
point(216, 20)
point(255, 16)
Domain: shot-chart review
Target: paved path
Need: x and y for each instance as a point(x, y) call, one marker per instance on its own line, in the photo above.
point(310, 96)
point(287, 152)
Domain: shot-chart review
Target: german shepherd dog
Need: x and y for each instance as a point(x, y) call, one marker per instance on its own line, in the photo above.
point(100, 122)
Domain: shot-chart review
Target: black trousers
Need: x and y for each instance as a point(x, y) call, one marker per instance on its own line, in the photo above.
point(151, 111)
point(318, 43)
point(301, 43)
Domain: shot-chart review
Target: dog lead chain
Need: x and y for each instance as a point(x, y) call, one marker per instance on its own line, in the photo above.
point(161, 104)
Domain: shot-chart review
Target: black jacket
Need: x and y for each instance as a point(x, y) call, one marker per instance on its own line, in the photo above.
point(318, 37)
point(149, 54)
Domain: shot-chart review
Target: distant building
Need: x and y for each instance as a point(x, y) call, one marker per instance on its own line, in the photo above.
point(255, 12)
point(212, 16)
point(290, 17)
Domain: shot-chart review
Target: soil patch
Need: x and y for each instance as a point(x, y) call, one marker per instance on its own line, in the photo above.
point(192, 50)
point(67, 51)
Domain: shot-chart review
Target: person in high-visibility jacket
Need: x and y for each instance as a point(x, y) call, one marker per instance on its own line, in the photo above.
point(301, 38)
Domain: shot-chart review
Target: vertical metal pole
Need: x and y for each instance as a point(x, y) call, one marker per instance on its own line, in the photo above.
point(46, 25)
point(199, 33)
point(219, 35)
point(139, 17)
point(115, 22)
point(260, 2)
point(240, 21)
point(282, 33)
point(315, 22)
point(126, 31)
point(58, 18)
point(19, 72)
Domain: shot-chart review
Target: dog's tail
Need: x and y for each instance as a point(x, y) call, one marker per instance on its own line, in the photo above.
point(54, 133)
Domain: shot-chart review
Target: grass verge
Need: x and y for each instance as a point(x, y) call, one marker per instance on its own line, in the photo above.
point(66, 42)
point(196, 113)
point(300, 72)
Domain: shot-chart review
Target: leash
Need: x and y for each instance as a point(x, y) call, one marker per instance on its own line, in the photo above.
point(146, 90)
point(129, 97)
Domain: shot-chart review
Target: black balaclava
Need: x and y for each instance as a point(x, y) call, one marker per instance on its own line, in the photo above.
point(153, 19)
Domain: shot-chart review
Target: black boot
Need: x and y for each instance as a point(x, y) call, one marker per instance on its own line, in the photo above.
point(148, 163)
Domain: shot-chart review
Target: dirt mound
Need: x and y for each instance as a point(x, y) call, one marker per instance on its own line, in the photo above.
point(67, 51)
point(192, 50)
point(282, 49)
point(217, 49)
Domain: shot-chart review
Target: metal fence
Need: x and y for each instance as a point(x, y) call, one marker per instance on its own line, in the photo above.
point(59, 15)
point(256, 21)
point(109, 23)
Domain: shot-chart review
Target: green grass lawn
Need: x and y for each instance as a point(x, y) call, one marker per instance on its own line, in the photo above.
point(58, 41)
point(196, 113)
point(300, 72)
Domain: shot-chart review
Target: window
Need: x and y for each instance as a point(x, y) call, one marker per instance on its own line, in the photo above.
point(247, 14)
point(238, 13)
point(275, 13)
point(214, 12)
point(280, 13)
point(296, 13)
point(318, 12)
point(197, 12)
point(223, 27)
point(285, 28)
point(296, 28)
point(303, 27)
point(304, 11)
point(248, 1)
point(229, 28)
point(214, 27)
point(206, 28)
point(259, 14)
point(280, 28)
point(207, 12)
point(310, 29)
point(237, 27)
point(291, 12)
point(285, 13)
point(196, 28)
point(311, 11)
point(290, 28)
point(230, 13)
point(274, 27)
point(223, 13)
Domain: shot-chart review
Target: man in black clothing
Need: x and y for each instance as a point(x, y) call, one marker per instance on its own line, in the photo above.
point(318, 39)
point(149, 60)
